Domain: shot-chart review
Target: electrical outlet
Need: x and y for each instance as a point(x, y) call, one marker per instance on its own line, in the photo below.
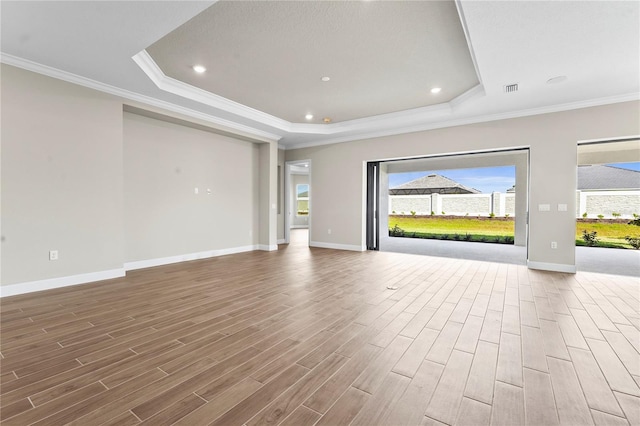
point(554, 245)
point(53, 254)
point(329, 231)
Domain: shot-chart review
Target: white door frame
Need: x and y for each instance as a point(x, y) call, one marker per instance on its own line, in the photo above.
point(288, 207)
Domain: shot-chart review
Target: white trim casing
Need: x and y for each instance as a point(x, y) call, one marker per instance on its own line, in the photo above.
point(554, 267)
point(282, 241)
point(267, 247)
point(334, 246)
point(51, 283)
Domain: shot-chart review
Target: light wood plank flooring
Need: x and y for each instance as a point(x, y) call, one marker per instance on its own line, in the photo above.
point(313, 336)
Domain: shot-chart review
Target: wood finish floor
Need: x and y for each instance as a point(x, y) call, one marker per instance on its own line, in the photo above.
point(313, 336)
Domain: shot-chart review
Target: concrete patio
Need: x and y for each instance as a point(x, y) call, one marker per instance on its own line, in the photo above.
point(588, 259)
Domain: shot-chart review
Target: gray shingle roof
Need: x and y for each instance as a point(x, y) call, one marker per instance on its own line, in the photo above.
point(607, 177)
point(432, 184)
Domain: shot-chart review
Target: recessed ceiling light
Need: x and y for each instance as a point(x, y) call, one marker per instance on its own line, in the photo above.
point(558, 79)
point(326, 120)
point(436, 90)
point(308, 116)
point(326, 78)
point(199, 69)
point(306, 165)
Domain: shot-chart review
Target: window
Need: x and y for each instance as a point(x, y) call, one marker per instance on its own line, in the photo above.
point(302, 199)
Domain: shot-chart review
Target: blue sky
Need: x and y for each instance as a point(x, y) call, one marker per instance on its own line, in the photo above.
point(486, 179)
point(631, 166)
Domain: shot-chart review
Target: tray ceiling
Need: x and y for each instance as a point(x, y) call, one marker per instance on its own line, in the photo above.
point(381, 57)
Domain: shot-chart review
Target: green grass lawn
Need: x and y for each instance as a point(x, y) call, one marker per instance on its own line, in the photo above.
point(610, 234)
point(447, 225)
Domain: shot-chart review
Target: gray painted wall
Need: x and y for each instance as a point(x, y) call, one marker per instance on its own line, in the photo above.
point(163, 164)
point(62, 168)
point(69, 159)
point(281, 194)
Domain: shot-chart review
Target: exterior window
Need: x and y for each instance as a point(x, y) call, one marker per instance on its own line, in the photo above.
point(302, 199)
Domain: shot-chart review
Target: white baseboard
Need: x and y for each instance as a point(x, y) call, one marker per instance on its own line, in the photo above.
point(336, 246)
point(51, 283)
point(282, 241)
point(268, 247)
point(555, 267)
point(48, 284)
point(140, 264)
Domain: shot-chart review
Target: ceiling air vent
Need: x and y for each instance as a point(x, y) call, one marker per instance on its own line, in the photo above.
point(511, 88)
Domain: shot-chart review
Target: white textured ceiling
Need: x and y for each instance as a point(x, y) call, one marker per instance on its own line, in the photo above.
point(595, 44)
point(381, 57)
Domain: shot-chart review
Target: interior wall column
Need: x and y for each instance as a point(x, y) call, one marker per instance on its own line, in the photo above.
point(268, 239)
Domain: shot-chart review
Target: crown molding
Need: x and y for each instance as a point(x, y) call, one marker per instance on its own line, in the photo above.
point(171, 85)
point(476, 119)
point(473, 93)
point(409, 121)
point(465, 30)
point(216, 122)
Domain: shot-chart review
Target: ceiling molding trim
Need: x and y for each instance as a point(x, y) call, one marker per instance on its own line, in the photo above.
point(474, 92)
point(388, 121)
point(463, 23)
point(219, 123)
point(477, 119)
point(629, 138)
point(171, 85)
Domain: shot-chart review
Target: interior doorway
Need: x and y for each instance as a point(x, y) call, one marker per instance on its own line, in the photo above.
point(297, 197)
point(419, 202)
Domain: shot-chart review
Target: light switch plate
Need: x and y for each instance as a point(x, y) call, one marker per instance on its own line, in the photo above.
point(562, 207)
point(544, 207)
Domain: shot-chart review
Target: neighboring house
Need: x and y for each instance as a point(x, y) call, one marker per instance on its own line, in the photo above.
point(607, 190)
point(602, 190)
point(432, 184)
point(602, 177)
